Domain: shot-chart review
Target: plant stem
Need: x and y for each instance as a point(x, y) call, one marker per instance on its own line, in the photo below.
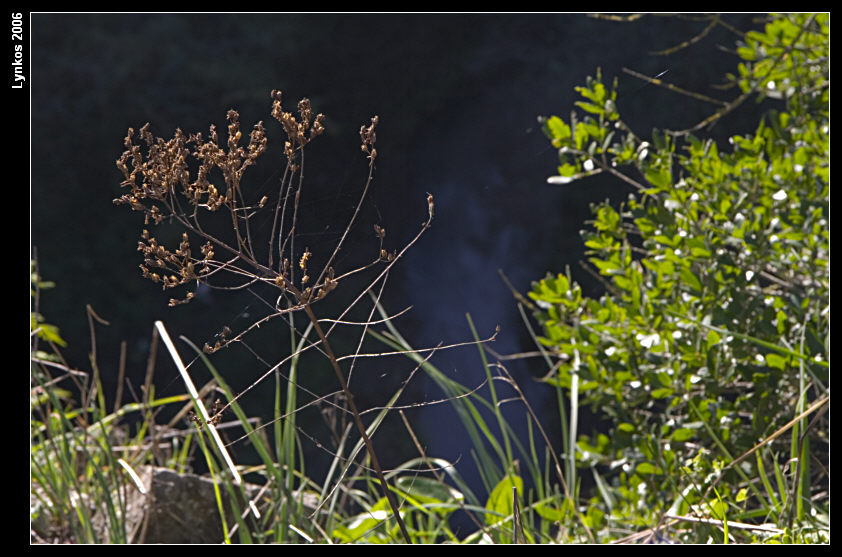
point(353, 406)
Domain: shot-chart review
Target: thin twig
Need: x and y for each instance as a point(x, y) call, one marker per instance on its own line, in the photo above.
point(511, 381)
point(714, 21)
point(673, 88)
point(349, 399)
point(739, 100)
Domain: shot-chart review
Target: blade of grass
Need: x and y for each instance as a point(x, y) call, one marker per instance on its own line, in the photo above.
point(568, 445)
point(468, 414)
point(203, 412)
point(767, 485)
point(494, 400)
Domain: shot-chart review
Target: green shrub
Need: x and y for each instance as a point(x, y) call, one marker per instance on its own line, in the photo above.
point(713, 333)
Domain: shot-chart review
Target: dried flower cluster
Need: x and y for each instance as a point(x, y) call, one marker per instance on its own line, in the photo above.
point(157, 176)
point(171, 180)
point(368, 138)
point(299, 133)
point(173, 268)
point(215, 412)
point(162, 185)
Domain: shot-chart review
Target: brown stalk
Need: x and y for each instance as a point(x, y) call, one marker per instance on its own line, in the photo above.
point(369, 447)
point(155, 179)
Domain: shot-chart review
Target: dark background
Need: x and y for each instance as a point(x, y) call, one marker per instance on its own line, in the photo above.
point(458, 98)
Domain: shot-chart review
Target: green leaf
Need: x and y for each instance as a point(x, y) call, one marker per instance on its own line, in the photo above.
point(647, 468)
point(562, 285)
point(690, 279)
point(558, 130)
point(682, 434)
point(776, 361)
point(780, 317)
point(500, 501)
point(712, 339)
point(700, 252)
point(659, 177)
point(746, 53)
point(661, 393)
point(581, 135)
point(597, 94)
point(45, 330)
point(567, 170)
point(359, 526)
point(549, 513)
point(592, 108)
point(428, 490)
point(718, 510)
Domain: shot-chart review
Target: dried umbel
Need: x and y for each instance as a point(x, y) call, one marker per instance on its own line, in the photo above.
point(161, 184)
point(172, 181)
point(160, 179)
point(163, 171)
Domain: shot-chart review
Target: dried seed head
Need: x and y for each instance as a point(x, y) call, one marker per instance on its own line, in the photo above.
point(208, 349)
point(196, 419)
point(304, 111)
point(304, 259)
point(318, 126)
point(157, 175)
point(330, 285)
point(368, 137)
point(304, 296)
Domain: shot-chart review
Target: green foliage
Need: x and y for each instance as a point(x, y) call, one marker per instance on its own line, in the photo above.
point(43, 330)
point(79, 476)
point(714, 329)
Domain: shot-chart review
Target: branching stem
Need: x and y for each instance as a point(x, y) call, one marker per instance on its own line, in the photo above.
point(369, 446)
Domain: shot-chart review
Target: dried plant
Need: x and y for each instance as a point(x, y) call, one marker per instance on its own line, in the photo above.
point(171, 181)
